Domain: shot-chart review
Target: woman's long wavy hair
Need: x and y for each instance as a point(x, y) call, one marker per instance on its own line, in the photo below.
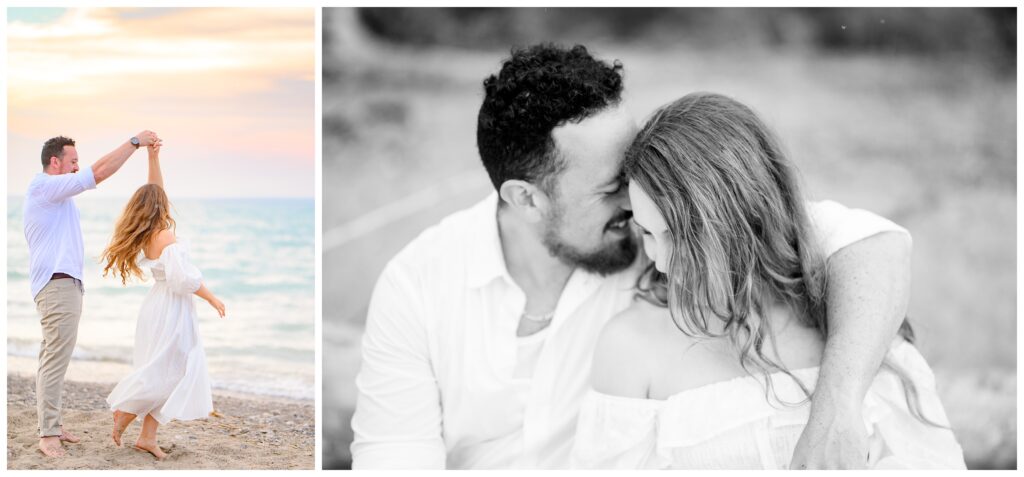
point(147, 213)
point(740, 234)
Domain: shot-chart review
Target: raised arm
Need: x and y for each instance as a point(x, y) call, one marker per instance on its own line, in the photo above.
point(155, 175)
point(868, 295)
point(397, 422)
point(107, 165)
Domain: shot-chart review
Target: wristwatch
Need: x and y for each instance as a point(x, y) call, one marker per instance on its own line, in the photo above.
point(135, 142)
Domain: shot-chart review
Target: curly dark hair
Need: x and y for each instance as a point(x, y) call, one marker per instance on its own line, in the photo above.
point(538, 89)
point(55, 147)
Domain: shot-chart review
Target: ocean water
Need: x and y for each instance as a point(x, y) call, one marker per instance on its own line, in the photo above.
point(256, 255)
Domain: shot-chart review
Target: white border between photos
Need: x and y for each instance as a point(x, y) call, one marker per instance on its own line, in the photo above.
point(318, 244)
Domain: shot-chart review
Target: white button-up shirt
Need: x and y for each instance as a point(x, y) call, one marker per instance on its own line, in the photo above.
point(52, 226)
point(441, 383)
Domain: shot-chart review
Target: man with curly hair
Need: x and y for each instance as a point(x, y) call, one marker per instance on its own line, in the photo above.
point(480, 332)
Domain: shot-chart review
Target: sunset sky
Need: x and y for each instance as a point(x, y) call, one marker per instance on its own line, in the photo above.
point(230, 91)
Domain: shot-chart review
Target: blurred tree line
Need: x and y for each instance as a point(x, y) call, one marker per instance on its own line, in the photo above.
point(987, 33)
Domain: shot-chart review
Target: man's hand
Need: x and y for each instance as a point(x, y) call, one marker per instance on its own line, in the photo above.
point(147, 138)
point(868, 293)
point(835, 437)
point(107, 165)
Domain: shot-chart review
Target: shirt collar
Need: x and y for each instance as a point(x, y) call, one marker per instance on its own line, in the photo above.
point(486, 259)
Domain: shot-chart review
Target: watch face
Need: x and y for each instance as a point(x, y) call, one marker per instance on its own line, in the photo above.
point(135, 141)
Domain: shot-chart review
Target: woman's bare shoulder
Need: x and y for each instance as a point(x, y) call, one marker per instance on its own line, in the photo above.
point(623, 358)
point(159, 242)
point(641, 318)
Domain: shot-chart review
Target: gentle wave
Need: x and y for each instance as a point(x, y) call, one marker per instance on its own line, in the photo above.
point(116, 354)
point(299, 394)
point(27, 349)
point(284, 388)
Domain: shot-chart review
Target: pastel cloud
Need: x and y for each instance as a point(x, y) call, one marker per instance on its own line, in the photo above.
point(230, 89)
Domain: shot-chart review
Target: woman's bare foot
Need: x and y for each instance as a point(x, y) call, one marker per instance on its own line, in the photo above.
point(151, 447)
point(121, 421)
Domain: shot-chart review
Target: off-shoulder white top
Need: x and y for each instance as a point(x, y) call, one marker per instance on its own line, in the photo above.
point(732, 425)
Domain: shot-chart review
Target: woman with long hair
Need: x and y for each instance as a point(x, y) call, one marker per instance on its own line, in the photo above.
point(169, 379)
point(714, 366)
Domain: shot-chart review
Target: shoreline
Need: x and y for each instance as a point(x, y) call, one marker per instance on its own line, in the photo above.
point(107, 372)
point(246, 431)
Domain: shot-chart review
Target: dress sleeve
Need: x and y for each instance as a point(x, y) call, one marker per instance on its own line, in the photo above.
point(182, 277)
point(835, 226)
point(397, 421)
point(616, 433)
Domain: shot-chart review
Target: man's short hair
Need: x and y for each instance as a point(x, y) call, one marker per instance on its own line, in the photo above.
point(55, 147)
point(538, 89)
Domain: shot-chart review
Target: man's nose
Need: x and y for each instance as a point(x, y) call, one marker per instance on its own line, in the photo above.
point(624, 203)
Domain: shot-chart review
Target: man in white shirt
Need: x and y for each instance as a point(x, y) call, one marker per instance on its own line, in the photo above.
point(480, 333)
point(56, 255)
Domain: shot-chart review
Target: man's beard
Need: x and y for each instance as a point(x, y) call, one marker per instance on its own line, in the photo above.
point(611, 258)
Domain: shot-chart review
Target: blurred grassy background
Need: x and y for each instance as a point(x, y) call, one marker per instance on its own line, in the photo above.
point(910, 113)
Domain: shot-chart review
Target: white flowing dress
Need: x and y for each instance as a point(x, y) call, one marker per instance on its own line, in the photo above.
point(731, 424)
point(169, 380)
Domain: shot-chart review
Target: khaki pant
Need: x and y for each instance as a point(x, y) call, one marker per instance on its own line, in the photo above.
point(59, 304)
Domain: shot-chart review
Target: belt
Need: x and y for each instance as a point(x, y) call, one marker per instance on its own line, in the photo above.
point(58, 275)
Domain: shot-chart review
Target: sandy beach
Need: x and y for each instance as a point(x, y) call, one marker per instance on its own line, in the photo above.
point(246, 432)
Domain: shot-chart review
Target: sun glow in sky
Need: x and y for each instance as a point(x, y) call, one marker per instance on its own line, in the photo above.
point(229, 90)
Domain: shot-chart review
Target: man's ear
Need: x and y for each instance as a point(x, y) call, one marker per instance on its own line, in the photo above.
point(54, 161)
point(526, 199)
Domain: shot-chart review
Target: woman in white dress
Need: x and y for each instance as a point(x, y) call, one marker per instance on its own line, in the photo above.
point(169, 379)
point(714, 367)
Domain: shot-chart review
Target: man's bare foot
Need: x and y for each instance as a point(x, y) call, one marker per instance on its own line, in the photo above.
point(51, 446)
point(151, 447)
point(66, 436)
point(121, 421)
